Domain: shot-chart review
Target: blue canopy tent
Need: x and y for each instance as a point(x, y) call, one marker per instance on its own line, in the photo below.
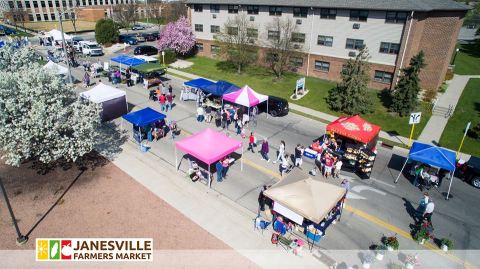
point(434, 156)
point(144, 117)
point(199, 83)
point(221, 87)
point(127, 60)
point(192, 89)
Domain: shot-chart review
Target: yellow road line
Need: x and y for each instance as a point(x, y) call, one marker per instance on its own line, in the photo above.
point(370, 218)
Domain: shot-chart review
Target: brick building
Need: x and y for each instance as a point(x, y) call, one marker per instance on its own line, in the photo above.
point(330, 32)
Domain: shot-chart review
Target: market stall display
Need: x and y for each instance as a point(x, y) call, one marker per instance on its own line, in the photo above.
point(150, 73)
point(308, 202)
point(58, 69)
point(355, 140)
point(126, 61)
point(434, 156)
point(220, 88)
point(245, 97)
point(113, 101)
point(192, 88)
point(143, 118)
point(208, 146)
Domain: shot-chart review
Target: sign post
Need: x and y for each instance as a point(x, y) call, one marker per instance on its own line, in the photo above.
point(414, 119)
point(463, 138)
point(163, 57)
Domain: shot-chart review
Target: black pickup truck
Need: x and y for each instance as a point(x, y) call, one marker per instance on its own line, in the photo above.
point(470, 171)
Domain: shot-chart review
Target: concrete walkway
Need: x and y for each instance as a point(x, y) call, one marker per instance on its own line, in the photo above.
point(305, 110)
point(437, 123)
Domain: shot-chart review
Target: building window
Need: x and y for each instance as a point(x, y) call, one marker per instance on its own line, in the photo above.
point(233, 9)
point(301, 12)
point(382, 76)
point(358, 15)
point(275, 11)
point(298, 37)
point(391, 48)
point(396, 17)
point(39, 17)
point(214, 49)
point(198, 27)
point(30, 17)
point(252, 32)
point(198, 8)
point(328, 13)
point(296, 62)
point(50, 3)
point(214, 8)
point(232, 30)
point(252, 10)
point(273, 35)
point(325, 40)
point(19, 4)
point(27, 4)
point(66, 16)
point(35, 4)
point(199, 46)
point(322, 66)
point(45, 17)
point(354, 44)
point(52, 16)
point(42, 3)
point(70, 3)
point(10, 4)
point(214, 29)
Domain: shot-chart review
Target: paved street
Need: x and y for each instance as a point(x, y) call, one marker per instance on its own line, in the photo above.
point(376, 206)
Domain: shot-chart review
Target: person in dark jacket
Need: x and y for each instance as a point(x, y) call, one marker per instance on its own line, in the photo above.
point(265, 150)
point(262, 200)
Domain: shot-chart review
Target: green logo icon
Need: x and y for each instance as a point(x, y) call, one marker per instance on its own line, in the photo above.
point(54, 253)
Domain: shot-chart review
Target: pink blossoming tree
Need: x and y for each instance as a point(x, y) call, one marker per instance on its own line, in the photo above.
point(178, 36)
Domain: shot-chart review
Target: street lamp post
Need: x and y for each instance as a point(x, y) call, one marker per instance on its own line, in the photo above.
point(455, 55)
point(163, 57)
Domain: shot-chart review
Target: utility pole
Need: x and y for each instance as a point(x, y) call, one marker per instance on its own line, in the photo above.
point(146, 11)
point(60, 14)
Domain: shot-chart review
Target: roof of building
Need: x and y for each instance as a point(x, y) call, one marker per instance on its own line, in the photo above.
point(406, 5)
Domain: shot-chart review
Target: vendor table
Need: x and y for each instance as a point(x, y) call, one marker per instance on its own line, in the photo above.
point(189, 94)
point(213, 104)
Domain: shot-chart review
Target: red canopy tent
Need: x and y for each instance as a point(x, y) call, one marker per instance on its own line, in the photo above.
point(354, 127)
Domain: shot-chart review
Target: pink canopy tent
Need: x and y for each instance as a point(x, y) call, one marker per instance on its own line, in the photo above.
point(208, 146)
point(245, 97)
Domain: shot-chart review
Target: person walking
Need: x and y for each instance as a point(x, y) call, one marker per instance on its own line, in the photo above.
point(224, 119)
point(418, 173)
point(345, 184)
point(265, 150)
point(239, 126)
point(200, 114)
point(298, 155)
point(219, 168)
point(281, 151)
point(173, 129)
point(338, 167)
point(170, 89)
point(284, 165)
point(208, 114)
point(128, 76)
point(422, 205)
point(427, 215)
point(169, 102)
point(162, 99)
point(86, 80)
point(262, 200)
point(225, 164)
point(251, 142)
point(328, 166)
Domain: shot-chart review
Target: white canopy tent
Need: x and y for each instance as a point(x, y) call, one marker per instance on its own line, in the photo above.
point(57, 35)
point(58, 69)
point(113, 100)
point(147, 59)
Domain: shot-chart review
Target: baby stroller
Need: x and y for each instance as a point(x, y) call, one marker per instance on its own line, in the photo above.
point(152, 95)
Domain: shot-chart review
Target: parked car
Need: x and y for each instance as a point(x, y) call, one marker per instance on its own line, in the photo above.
point(76, 43)
point(470, 171)
point(276, 106)
point(127, 39)
point(91, 48)
point(156, 35)
point(149, 37)
point(138, 27)
point(139, 38)
point(145, 50)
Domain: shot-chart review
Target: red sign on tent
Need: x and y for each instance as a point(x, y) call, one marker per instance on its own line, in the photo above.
point(354, 127)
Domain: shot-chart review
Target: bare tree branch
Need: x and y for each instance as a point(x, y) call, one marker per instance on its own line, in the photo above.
point(155, 11)
point(174, 10)
point(125, 14)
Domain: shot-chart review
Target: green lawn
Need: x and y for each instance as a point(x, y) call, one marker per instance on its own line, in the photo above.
point(467, 61)
point(261, 80)
point(467, 109)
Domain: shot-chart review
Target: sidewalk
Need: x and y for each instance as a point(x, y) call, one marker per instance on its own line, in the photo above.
point(317, 114)
point(437, 123)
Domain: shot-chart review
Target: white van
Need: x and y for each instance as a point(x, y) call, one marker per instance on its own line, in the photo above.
point(91, 48)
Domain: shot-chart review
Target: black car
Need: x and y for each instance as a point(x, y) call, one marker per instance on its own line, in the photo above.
point(470, 171)
point(156, 35)
point(145, 50)
point(276, 106)
point(149, 37)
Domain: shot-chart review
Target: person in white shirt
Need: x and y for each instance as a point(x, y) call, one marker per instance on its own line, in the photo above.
point(281, 151)
point(338, 167)
point(429, 211)
point(284, 165)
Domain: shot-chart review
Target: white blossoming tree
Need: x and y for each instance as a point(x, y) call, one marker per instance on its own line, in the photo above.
point(41, 118)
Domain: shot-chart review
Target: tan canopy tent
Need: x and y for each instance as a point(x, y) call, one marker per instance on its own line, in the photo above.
point(308, 197)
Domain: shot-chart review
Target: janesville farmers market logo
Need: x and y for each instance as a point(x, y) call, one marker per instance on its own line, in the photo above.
point(94, 249)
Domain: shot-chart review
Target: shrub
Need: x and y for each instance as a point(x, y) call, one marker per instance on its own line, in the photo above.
point(391, 241)
point(422, 234)
point(170, 56)
point(106, 31)
point(449, 75)
point(447, 242)
point(429, 95)
point(474, 132)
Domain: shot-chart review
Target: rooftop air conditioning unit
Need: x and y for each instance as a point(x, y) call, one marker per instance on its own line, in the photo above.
point(299, 21)
point(296, 46)
point(352, 54)
point(356, 26)
point(214, 16)
point(252, 18)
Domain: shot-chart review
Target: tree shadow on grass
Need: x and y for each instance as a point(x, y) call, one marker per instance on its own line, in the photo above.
point(385, 98)
point(470, 49)
point(226, 66)
point(477, 107)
